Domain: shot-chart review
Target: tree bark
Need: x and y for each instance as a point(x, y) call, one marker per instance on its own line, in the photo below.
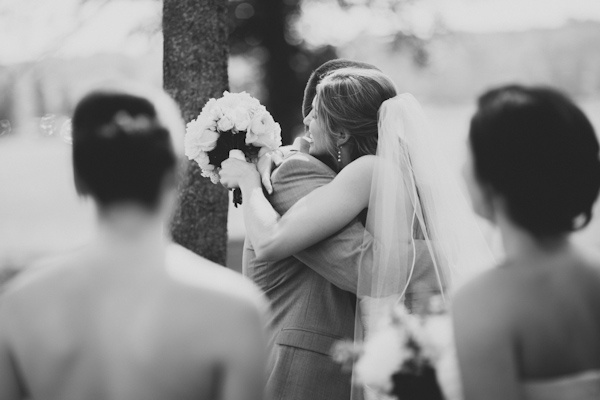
point(194, 70)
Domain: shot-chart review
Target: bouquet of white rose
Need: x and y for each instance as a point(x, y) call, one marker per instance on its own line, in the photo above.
point(398, 359)
point(235, 125)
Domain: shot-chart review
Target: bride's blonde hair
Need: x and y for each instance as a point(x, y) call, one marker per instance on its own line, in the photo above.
point(348, 101)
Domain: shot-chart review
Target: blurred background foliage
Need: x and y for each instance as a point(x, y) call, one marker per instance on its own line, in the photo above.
point(52, 52)
point(275, 44)
point(271, 56)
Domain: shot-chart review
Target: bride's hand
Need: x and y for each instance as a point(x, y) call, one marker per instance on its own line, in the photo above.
point(267, 162)
point(235, 173)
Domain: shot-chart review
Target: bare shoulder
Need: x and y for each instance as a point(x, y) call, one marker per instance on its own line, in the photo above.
point(358, 174)
point(211, 279)
point(37, 278)
point(362, 166)
point(32, 300)
point(490, 298)
point(221, 308)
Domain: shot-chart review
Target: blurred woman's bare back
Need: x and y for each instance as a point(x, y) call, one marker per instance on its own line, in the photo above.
point(559, 300)
point(97, 326)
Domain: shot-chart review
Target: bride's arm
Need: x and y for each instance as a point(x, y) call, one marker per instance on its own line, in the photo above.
point(313, 218)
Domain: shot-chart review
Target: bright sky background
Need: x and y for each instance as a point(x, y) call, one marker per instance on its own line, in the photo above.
point(40, 28)
point(35, 29)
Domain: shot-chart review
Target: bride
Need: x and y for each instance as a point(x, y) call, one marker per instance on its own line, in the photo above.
point(529, 329)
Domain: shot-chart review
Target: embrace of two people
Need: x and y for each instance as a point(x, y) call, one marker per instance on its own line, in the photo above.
point(369, 218)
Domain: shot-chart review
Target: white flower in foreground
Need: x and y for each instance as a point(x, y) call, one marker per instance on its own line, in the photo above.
point(383, 355)
point(438, 336)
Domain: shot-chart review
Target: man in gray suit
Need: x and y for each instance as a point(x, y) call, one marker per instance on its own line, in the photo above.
point(313, 293)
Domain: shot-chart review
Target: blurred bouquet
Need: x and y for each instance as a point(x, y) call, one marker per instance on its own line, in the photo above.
point(235, 125)
point(399, 358)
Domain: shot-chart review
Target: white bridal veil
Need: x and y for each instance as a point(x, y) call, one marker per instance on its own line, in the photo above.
point(426, 237)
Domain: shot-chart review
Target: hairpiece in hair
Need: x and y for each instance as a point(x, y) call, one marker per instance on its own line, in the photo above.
point(125, 123)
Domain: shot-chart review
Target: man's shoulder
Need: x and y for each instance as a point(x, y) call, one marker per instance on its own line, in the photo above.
point(203, 275)
point(301, 163)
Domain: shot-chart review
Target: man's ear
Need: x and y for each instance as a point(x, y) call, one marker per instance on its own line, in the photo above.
point(342, 139)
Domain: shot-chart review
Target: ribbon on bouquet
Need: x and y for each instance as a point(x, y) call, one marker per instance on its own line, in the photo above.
point(237, 193)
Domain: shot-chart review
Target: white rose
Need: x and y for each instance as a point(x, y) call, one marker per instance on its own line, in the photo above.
point(214, 176)
point(196, 142)
point(261, 123)
point(243, 100)
point(225, 124)
point(203, 161)
point(215, 113)
point(198, 125)
point(264, 132)
point(241, 119)
point(209, 105)
point(200, 135)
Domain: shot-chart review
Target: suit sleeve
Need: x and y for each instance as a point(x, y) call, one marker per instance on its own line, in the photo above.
point(338, 257)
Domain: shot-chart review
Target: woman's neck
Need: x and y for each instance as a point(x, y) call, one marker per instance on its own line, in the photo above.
point(520, 244)
point(131, 233)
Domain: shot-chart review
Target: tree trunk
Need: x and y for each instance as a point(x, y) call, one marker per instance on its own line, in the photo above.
point(284, 88)
point(194, 70)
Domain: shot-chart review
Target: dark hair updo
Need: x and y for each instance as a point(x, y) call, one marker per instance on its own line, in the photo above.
point(121, 151)
point(537, 149)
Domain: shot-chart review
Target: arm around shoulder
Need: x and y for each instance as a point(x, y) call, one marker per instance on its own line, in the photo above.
point(317, 215)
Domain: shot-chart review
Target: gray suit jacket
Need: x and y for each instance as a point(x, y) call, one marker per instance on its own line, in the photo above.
point(312, 294)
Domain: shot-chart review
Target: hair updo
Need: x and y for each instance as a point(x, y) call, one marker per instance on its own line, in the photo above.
point(348, 101)
point(121, 151)
point(310, 91)
point(537, 149)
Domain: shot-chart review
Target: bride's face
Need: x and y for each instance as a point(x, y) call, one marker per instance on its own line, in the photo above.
point(317, 132)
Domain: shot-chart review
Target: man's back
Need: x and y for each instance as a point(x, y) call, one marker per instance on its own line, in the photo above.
point(311, 294)
point(77, 329)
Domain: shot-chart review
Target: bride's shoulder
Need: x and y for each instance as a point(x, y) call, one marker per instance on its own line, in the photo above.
point(362, 166)
point(364, 161)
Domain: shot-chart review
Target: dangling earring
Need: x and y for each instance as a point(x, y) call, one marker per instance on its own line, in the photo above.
point(339, 158)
